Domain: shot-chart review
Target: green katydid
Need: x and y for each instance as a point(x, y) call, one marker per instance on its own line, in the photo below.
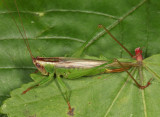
point(73, 68)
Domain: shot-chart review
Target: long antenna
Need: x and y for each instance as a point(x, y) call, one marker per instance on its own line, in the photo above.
point(24, 38)
point(101, 26)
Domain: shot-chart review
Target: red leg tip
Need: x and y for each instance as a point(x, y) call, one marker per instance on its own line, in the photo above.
point(70, 109)
point(100, 26)
point(149, 83)
point(71, 112)
point(24, 92)
point(143, 87)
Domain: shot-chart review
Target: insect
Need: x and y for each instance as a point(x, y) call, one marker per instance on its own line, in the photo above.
point(72, 68)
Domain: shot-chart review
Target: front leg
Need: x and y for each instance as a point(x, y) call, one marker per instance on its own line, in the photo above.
point(66, 93)
point(43, 81)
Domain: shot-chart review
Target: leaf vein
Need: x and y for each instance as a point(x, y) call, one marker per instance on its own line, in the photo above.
point(115, 23)
point(116, 97)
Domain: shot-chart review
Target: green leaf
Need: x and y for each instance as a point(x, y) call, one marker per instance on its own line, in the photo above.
point(103, 95)
point(59, 28)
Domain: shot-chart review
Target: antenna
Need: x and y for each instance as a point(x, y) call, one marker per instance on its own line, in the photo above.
point(101, 26)
point(24, 38)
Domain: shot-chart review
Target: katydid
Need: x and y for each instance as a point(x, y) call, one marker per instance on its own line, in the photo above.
point(72, 68)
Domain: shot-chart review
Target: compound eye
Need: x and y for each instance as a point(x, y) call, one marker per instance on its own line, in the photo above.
point(38, 65)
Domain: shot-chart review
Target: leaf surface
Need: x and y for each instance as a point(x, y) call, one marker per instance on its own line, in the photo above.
point(58, 28)
point(103, 95)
